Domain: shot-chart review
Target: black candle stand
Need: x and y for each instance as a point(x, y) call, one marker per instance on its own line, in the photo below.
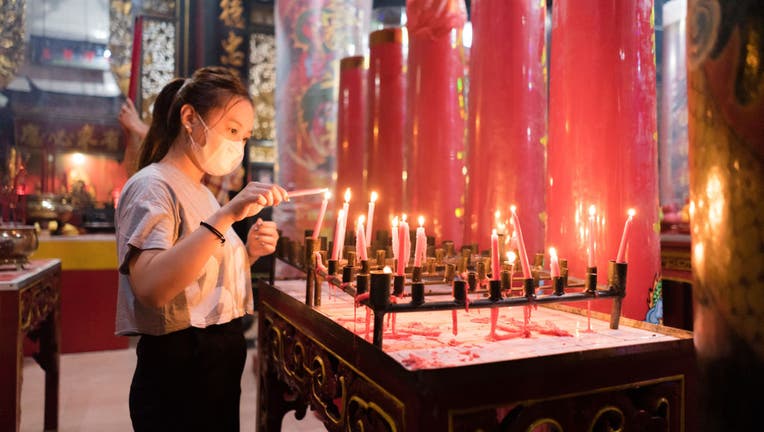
point(381, 285)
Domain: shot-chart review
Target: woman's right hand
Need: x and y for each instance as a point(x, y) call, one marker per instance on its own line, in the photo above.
point(252, 199)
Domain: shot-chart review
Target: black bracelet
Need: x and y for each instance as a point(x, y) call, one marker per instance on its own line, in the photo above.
point(213, 230)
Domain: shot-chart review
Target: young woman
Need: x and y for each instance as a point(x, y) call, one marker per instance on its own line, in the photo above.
point(184, 280)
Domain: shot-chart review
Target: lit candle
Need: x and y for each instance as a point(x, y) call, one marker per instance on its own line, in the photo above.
point(370, 217)
point(554, 264)
point(625, 238)
point(360, 240)
point(495, 265)
point(321, 214)
point(336, 244)
point(420, 249)
point(344, 223)
point(592, 212)
point(404, 245)
point(395, 243)
point(521, 245)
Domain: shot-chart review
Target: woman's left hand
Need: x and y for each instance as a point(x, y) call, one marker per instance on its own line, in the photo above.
point(261, 239)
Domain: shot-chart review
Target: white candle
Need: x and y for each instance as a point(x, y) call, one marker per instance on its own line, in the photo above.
point(321, 214)
point(625, 238)
point(336, 243)
point(591, 260)
point(521, 245)
point(420, 248)
point(495, 264)
point(554, 264)
point(360, 240)
point(344, 223)
point(370, 217)
point(404, 245)
point(395, 242)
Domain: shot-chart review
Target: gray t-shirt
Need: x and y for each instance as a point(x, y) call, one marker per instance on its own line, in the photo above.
point(158, 207)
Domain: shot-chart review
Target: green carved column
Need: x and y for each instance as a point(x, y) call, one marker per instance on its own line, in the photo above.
point(725, 47)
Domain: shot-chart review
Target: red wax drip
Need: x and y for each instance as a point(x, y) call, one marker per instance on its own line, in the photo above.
point(387, 115)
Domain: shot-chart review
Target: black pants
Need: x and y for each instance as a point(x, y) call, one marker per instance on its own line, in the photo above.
point(189, 380)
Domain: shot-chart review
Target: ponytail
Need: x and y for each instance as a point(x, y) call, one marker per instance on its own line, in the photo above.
point(163, 130)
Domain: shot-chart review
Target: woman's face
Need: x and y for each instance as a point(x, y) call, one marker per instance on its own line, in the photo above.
point(232, 123)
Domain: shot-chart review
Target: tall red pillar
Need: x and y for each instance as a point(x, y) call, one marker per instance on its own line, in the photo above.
point(435, 119)
point(507, 121)
point(351, 126)
point(603, 139)
point(387, 115)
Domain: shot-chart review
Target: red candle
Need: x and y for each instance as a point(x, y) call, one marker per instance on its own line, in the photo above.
point(521, 245)
point(351, 124)
point(625, 238)
point(554, 264)
point(370, 217)
point(321, 214)
point(386, 98)
point(590, 249)
point(360, 240)
point(435, 115)
point(495, 265)
point(602, 147)
point(420, 249)
point(506, 125)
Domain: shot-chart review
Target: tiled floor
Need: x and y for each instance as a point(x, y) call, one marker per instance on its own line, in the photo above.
point(94, 392)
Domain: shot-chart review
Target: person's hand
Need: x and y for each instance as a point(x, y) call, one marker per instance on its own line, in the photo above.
point(131, 121)
point(261, 239)
point(252, 199)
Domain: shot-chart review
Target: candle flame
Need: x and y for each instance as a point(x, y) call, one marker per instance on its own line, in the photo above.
point(373, 197)
point(632, 212)
point(497, 214)
point(403, 217)
point(327, 195)
point(553, 252)
point(387, 269)
point(361, 219)
point(493, 233)
point(421, 221)
point(592, 210)
point(347, 195)
point(513, 208)
point(511, 257)
point(395, 222)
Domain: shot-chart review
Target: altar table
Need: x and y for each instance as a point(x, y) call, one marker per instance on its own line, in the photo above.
point(638, 377)
point(29, 306)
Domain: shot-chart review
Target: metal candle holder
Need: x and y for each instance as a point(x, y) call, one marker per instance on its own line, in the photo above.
point(382, 285)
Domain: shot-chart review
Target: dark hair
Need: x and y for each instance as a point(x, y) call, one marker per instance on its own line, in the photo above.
point(208, 88)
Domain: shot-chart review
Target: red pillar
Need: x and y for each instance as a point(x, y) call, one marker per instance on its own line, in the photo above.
point(351, 126)
point(602, 139)
point(435, 119)
point(507, 122)
point(386, 97)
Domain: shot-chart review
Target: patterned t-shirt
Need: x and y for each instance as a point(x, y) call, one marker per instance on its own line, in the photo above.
point(158, 207)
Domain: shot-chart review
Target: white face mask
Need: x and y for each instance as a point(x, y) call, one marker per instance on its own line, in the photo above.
point(217, 158)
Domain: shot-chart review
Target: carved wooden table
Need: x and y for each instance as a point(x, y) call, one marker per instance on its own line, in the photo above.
point(29, 306)
point(639, 377)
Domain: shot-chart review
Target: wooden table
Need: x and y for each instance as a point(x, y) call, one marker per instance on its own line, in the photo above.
point(29, 306)
point(643, 380)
